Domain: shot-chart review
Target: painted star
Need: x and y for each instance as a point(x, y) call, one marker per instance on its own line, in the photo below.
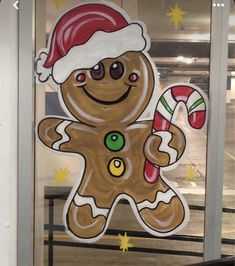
point(124, 242)
point(58, 3)
point(61, 175)
point(191, 173)
point(176, 15)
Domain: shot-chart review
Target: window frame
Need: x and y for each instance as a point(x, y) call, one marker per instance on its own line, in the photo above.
point(215, 147)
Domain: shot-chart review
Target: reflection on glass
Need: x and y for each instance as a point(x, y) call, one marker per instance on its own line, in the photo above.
point(180, 50)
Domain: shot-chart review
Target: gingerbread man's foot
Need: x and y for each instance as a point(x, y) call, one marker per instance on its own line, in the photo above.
point(84, 220)
point(165, 215)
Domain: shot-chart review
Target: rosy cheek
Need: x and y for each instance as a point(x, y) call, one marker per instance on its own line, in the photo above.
point(81, 77)
point(133, 77)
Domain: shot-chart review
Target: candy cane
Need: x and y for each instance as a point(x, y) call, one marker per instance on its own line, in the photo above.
point(195, 104)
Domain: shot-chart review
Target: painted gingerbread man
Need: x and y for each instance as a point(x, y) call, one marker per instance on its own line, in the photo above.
point(99, 59)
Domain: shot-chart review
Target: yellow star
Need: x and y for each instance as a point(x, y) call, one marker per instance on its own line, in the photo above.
point(124, 243)
point(61, 175)
point(176, 15)
point(191, 173)
point(58, 3)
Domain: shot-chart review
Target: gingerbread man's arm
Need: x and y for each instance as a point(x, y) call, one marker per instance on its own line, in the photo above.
point(165, 148)
point(64, 135)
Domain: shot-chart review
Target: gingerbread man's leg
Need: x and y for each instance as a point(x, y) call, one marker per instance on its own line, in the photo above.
point(84, 220)
point(166, 213)
point(88, 209)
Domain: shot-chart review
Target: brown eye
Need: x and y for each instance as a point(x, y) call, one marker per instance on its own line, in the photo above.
point(81, 77)
point(97, 72)
point(116, 70)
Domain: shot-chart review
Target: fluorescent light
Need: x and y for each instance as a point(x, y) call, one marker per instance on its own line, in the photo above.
point(188, 60)
point(180, 58)
point(185, 60)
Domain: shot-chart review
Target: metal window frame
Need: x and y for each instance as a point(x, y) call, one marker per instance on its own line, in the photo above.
point(25, 196)
point(215, 152)
point(216, 129)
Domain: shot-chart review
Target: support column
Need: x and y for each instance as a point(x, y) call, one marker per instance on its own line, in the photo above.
point(216, 127)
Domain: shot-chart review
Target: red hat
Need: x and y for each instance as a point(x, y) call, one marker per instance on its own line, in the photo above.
point(84, 36)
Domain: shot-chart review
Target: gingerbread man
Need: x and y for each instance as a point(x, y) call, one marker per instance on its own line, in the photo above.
point(106, 79)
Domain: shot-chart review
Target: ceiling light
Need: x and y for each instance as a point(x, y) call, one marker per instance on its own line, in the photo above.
point(180, 58)
point(186, 60)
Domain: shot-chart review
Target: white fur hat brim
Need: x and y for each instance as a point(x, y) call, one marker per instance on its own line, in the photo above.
point(100, 46)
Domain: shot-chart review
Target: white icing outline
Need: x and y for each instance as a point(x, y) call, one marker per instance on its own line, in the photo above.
point(81, 201)
point(166, 137)
point(61, 130)
point(161, 196)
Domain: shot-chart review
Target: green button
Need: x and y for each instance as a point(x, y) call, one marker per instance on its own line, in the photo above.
point(114, 141)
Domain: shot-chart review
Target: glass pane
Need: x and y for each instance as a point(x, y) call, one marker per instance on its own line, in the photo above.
point(180, 42)
point(228, 225)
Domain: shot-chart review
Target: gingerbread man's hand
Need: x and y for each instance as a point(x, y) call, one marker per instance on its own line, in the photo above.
point(64, 135)
point(164, 148)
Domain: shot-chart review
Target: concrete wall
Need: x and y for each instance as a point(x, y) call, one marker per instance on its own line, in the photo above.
point(8, 132)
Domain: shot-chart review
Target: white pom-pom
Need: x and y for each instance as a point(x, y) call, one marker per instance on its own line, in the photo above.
point(42, 73)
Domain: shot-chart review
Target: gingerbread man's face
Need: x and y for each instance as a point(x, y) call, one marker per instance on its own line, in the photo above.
point(114, 90)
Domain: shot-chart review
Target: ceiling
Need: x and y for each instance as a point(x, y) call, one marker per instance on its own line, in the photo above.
point(195, 25)
point(191, 39)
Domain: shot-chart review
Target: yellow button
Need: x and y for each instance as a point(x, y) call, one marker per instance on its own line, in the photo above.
point(116, 167)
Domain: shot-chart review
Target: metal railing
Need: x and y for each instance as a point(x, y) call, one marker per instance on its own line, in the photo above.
point(61, 193)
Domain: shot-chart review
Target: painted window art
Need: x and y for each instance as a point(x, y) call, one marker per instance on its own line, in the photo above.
point(98, 59)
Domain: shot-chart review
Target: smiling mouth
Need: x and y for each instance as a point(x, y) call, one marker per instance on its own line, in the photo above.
point(120, 99)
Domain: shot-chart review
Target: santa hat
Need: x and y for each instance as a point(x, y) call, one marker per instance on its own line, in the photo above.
point(84, 36)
